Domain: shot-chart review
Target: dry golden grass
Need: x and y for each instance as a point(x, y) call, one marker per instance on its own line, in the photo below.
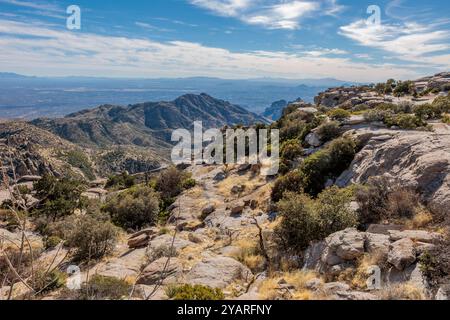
point(420, 220)
point(269, 288)
point(251, 183)
point(249, 254)
point(359, 278)
point(195, 192)
point(402, 292)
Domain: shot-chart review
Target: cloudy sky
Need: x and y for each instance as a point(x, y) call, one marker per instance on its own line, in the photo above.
point(227, 38)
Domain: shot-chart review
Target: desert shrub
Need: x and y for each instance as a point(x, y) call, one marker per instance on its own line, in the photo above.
point(380, 200)
point(194, 292)
point(426, 111)
point(59, 198)
point(360, 107)
point(404, 88)
point(51, 242)
point(44, 281)
point(402, 203)
point(189, 183)
point(435, 264)
point(121, 181)
point(404, 107)
point(390, 86)
point(376, 115)
point(305, 219)
point(105, 288)
point(293, 129)
point(405, 121)
point(296, 125)
point(380, 88)
point(442, 104)
point(12, 219)
point(339, 114)
point(291, 149)
point(391, 107)
point(292, 181)
point(91, 236)
point(170, 183)
point(20, 261)
point(445, 87)
point(289, 110)
point(78, 159)
point(300, 224)
point(134, 208)
point(372, 200)
point(329, 131)
point(446, 119)
point(326, 164)
point(333, 209)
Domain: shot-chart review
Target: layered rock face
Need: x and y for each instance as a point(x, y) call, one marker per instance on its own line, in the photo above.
point(398, 253)
point(438, 81)
point(416, 159)
point(349, 98)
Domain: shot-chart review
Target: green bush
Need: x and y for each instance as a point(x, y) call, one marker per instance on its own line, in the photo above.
point(326, 164)
point(426, 111)
point(59, 198)
point(405, 121)
point(105, 288)
point(442, 104)
point(170, 183)
point(300, 224)
point(122, 181)
point(92, 237)
point(372, 201)
point(380, 88)
point(189, 183)
point(446, 119)
point(291, 149)
point(435, 264)
point(78, 159)
point(51, 242)
point(333, 209)
point(329, 131)
point(305, 220)
point(376, 115)
point(134, 208)
point(404, 88)
point(339, 114)
point(194, 292)
point(292, 181)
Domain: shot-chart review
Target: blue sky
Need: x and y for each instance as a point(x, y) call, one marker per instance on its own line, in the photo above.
point(227, 38)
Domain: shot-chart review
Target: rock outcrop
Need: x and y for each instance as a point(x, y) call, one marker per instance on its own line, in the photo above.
point(219, 272)
point(416, 159)
point(341, 252)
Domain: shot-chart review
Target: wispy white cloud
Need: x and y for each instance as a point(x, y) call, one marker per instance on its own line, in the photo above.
point(229, 8)
point(40, 5)
point(42, 50)
point(319, 52)
point(270, 14)
point(151, 27)
point(407, 41)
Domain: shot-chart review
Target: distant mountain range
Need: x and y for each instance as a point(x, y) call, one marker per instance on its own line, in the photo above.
point(146, 124)
point(32, 97)
point(110, 139)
